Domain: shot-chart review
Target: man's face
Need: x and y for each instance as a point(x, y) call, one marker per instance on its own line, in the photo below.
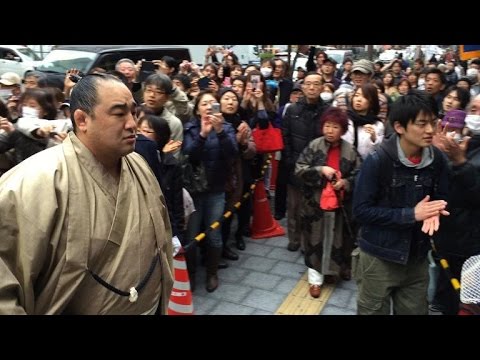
point(112, 129)
point(312, 86)
point(128, 70)
point(359, 78)
point(154, 97)
point(475, 106)
point(418, 133)
point(433, 84)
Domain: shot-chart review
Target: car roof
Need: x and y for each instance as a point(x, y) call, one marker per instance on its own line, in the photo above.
point(337, 51)
point(107, 48)
point(14, 46)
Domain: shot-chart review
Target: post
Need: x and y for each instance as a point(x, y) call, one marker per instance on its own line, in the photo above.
point(370, 52)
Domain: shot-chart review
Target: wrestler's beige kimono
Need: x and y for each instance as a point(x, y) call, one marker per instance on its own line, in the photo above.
point(61, 214)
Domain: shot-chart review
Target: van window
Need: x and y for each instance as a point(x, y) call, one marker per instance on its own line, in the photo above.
point(62, 60)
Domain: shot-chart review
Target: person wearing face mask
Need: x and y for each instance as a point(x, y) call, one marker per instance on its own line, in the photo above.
point(37, 103)
point(267, 68)
point(421, 80)
point(327, 93)
point(266, 72)
point(38, 120)
point(459, 236)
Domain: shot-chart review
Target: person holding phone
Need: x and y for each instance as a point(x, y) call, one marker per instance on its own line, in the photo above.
point(210, 140)
point(37, 104)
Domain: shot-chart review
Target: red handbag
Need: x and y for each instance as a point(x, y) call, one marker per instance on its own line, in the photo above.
point(330, 199)
point(268, 140)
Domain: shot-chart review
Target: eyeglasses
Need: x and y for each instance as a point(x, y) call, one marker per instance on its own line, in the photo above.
point(157, 92)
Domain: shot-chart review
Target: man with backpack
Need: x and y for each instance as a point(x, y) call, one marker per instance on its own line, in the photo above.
point(398, 200)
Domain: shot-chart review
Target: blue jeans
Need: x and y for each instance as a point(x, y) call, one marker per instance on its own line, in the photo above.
point(209, 208)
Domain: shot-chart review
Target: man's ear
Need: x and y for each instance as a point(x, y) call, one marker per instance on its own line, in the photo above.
point(80, 118)
point(399, 129)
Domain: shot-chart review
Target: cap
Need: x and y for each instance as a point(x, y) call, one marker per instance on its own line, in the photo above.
point(364, 66)
point(10, 78)
point(330, 60)
point(455, 119)
point(297, 87)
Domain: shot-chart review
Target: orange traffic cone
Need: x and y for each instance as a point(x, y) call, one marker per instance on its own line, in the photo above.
point(263, 224)
point(181, 297)
point(273, 176)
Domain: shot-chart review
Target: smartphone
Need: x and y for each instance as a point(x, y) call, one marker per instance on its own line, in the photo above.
point(203, 82)
point(255, 79)
point(226, 71)
point(215, 108)
point(148, 66)
point(74, 78)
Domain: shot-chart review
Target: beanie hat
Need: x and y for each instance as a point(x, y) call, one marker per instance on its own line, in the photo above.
point(455, 119)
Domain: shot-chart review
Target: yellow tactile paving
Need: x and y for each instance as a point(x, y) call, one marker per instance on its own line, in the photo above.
point(299, 301)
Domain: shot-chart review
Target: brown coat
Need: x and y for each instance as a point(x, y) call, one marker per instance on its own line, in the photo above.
point(59, 216)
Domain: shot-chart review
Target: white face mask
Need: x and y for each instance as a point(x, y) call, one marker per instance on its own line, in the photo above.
point(421, 82)
point(472, 121)
point(266, 72)
point(29, 112)
point(5, 94)
point(326, 96)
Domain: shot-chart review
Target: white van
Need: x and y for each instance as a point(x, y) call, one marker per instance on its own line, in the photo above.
point(18, 59)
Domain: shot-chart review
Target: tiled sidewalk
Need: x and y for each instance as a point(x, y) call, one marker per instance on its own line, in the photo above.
point(260, 281)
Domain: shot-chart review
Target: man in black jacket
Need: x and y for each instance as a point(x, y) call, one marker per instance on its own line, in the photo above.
point(301, 125)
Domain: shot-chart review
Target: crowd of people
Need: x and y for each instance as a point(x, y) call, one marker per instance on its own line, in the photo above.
point(94, 203)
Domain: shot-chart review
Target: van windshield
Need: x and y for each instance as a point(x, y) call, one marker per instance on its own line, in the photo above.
point(62, 60)
point(29, 52)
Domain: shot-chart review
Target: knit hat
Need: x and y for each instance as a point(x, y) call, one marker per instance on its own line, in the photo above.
point(455, 119)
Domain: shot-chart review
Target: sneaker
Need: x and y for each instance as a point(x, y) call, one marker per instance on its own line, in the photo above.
point(436, 308)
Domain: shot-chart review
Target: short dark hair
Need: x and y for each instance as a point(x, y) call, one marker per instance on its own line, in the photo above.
point(84, 95)
point(160, 126)
point(406, 108)
point(161, 81)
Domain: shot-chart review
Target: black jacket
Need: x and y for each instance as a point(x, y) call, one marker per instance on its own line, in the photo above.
point(459, 233)
point(301, 124)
